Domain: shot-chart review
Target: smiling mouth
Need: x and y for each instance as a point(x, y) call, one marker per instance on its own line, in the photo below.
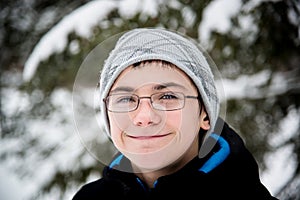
point(148, 137)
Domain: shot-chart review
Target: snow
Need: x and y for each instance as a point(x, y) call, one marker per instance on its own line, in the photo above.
point(128, 8)
point(189, 16)
point(68, 148)
point(12, 103)
point(281, 164)
point(25, 167)
point(287, 128)
point(9, 183)
point(81, 20)
point(216, 17)
point(52, 132)
point(240, 87)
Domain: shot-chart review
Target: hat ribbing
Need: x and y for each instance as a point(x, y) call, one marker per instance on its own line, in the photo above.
point(158, 44)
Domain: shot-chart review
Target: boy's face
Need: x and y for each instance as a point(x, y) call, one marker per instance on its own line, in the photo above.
point(153, 139)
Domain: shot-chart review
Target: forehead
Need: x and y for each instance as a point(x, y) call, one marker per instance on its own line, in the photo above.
point(154, 73)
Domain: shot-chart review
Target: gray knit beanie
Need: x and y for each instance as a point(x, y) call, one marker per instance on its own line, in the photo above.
point(159, 44)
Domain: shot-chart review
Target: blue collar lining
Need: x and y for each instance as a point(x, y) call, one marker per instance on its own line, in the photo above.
point(116, 161)
point(217, 158)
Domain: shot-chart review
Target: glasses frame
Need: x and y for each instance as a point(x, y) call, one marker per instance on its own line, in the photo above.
point(106, 99)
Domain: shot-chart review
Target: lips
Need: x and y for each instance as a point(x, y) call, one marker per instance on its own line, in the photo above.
point(147, 137)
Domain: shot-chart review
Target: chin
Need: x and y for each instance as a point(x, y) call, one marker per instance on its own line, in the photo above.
point(155, 160)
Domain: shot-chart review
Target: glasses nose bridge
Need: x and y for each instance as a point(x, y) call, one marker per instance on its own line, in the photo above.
point(144, 97)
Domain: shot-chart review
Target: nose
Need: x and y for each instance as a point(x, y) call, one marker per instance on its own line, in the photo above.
point(145, 115)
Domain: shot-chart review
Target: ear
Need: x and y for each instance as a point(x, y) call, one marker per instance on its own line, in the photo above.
point(204, 120)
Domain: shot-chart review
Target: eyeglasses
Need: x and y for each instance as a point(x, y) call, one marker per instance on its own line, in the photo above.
point(164, 101)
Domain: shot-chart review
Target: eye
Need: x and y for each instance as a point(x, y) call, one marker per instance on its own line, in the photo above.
point(125, 99)
point(168, 96)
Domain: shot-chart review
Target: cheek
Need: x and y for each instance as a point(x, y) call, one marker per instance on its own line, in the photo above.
point(190, 123)
point(186, 122)
point(119, 123)
point(174, 119)
point(115, 128)
point(116, 134)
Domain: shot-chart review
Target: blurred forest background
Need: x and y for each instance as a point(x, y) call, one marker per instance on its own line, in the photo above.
point(256, 47)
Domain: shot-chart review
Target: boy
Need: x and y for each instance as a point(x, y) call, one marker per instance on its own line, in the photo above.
point(161, 111)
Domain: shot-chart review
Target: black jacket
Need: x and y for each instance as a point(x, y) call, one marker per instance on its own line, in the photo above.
point(229, 171)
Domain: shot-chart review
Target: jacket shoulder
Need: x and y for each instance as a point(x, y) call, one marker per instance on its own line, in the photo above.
point(89, 191)
point(242, 167)
point(240, 158)
point(99, 188)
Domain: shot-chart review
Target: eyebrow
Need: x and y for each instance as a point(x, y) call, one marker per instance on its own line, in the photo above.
point(156, 87)
point(168, 84)
point(122, 89)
